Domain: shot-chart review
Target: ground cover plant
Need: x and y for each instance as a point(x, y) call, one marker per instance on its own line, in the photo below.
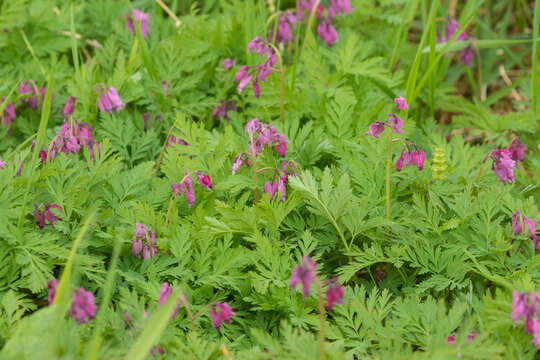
point(277, 179)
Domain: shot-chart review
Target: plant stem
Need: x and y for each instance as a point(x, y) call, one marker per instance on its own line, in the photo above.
point(256, 195)
point(322, 329)
point(163, 148)
point(281, 84)
point(190, 314)
point(169, 211)
point(534, 59)
point(388, 163)
point(310, 23)
point(479, 173)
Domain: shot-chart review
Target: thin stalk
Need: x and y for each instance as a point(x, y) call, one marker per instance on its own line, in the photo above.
point(256, 195)
point(322, 329)
point(29, 46)
point(177, 21)
point(190, 314)
point(388, 165)
point(74, 52)
point(295, 61)
point(310, 24)
point(163, 148)
point(534, 60)
point(169, 211)
point(479, 173)
point(281, 85)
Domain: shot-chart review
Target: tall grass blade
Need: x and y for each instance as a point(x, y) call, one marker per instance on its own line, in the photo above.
point(534, 60)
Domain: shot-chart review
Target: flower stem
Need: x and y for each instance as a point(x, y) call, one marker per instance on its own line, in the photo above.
point(281, 84)
point(256, 195)
point(169, 211)
point(322, 329)
point(388, 163)
point(310, 24)
point(479, 173)
point(163, 148)
point(190, 314)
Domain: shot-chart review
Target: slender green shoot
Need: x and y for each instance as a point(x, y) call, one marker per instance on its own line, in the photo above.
point(534, 60)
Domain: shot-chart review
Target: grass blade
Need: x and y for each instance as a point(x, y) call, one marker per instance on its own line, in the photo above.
point(534, 77)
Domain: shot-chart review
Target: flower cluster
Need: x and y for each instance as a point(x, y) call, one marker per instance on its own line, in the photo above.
point(520, 223)
point(528, 309)
point(43, 213)
point(283, 31)
point(258, 72)
point(82, 305)
point(450, 27)
point(8, 115)
point(143, 232)
point(394, 122)
point(220, 312)
point(109, 100)
point(411, 155)
point(222, 109)
point(69, 108)
point(305, 274)
point(186, 186)
point(28, 88)
point(326, 30)
point(228, 63)
point(280, 180)
point(70, 139)
point(504, 160)
point(142, 18)
point(261, 136)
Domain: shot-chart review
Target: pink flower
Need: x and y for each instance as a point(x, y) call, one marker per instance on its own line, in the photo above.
point(220, 312)
point(376, 128)
point(2, 163)
point(518, 220)
point(174, 140)
point(283, 34)
point(83, 306)
point(185, 187)
point(451, 339)
point(334, 293)
point(143, 234)
point(46, 214)
point(396, 123)
point(228, 63)
point(304, 5)
point(110, 100)
point(8, 115)
point(327, 32)
point(157, 349)
point(408, 157)
point(256, 89)
point(503, 165)
point(27, 88)
point(222, 109)
point(520, 306)
point(253, 126)
point(401, 103)
point(536, 333)
point(142, 18)
point(52, 285)
point(339, 7)
point(69, 108)
point(204, 180)
point(303, 273)
point(517, 150)
point(164, 294)
point(238, 161)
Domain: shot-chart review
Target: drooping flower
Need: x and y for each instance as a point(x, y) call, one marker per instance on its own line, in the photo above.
point(164, 294)
point(142, 18)
point(503, 165)
point(536, 332)
point(220, 312)
point(27, 88)
point(70, 139)
point(257, 72)
point(327, 32)
point(228, 63)
point(2, 163)
point(46, 214)
point(414, 156)
point(283, 33)
point(517, 150)
point(83, 306)
point(174, 140)
point(334, 293)
point(396, 123)
point(450, 28)
point(52, 285)
point(109, 100)
point(304, 5)
point(238, 161)
point(8, 115)
point(518, 220)
point(520, 306)
point(69, 108)
point(222, 109)
point(339, 7)
point(144, 240)
point(376, 128)
point(451, 339)
point(303, 273)
point(401, 103)
point(185, 187)
point(156, 350)
point(204, 180)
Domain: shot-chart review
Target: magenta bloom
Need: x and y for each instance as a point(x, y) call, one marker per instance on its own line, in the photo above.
point(517, 150)
point(144, 240)
point(520, 306)
point(174, 140)
point(334, 293)
point(303, 273)
point(69, 108)
point(396, 123)
point(536, 333)
point(156, 350)
point(27, 88)
point(164, 294)
point(327, 32)
point(376, 128)
point(83, 307)
point(451, 339)
point(409, 157)
point(70, 139)
point(503, 165)
point(220, 312)
point(109, 100)
point(450, 28)
point(228, 63)
point(186, 188)
point(8, 115)
point(46, 214)
point(204, 180)
point(518, 221)
point(401, 103)
point(283, 33)
point(2, 164)
point(142, 18)
point(238, 161)
point(258, 72)
point(221, 111)
point(52, 285)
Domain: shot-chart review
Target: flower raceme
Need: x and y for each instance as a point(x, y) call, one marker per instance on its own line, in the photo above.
point(142, 18)
point(503, 165)
point(30, 88)
point(450, 28)
point(83, 306)
point(44, 213)
point(109, 100)
point(221, 111)
point(186, 186)
point(394, 122)
point(283, 32)
point(280, 180)
point(220, 312)
point(258, 72)
point(144, 240)
point(522, 223)
point(8, 115)
point(411, 155)
point(71, 138)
